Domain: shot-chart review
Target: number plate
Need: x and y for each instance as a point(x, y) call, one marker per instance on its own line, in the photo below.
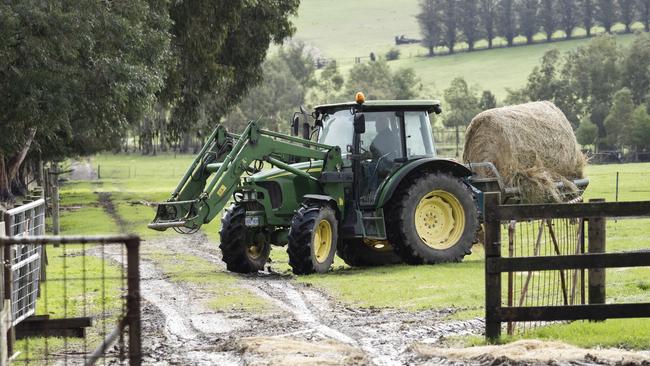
point(252, 221)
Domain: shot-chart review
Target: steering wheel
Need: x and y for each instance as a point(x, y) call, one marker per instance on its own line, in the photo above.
point(379, 161)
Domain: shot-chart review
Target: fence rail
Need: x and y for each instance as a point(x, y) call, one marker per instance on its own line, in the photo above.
point(594, 213)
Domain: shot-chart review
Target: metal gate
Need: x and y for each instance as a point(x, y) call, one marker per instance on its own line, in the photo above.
point(25, 262)
point(90, 301)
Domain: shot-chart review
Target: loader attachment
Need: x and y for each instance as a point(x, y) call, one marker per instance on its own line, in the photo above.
point(215, 174)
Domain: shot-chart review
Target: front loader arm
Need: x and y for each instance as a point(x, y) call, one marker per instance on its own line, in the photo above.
point(223, 160)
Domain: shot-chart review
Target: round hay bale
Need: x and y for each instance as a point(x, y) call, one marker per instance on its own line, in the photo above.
point(532, 145)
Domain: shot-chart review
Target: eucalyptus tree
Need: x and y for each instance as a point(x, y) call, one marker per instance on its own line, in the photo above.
point(507, 22)
point(488, 18)
point(569, 14)
point(430, 24)
point(469, 22)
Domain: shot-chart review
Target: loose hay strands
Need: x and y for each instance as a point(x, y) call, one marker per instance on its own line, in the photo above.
point(532, 145)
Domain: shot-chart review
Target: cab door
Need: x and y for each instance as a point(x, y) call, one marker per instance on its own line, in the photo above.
point(381, 151)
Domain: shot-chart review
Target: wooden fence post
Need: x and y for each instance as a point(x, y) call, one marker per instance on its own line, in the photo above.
point(54, 191)
point(597, 235)
point(492, 280)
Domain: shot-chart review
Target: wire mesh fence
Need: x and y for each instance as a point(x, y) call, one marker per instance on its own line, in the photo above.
point(547, 237)
point(88, 306)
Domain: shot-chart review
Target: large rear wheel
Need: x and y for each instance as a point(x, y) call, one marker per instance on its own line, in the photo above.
point(433, 219)
point(312, 238)
point(244, 250)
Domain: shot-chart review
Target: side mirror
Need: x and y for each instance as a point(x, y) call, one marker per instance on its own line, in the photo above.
point(306, 131)
point(359, 123)
point(295, 125)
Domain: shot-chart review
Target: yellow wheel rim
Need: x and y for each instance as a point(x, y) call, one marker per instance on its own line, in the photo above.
point(255, 249)
point(439, 219)
point(322, 240)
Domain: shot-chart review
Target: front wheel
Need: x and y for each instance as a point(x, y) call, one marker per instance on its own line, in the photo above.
point(312, 238)
point(243, 250)
point(433, 219)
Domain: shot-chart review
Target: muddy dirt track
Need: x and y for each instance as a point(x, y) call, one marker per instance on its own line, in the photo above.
point(178, 330)
point(307, 327)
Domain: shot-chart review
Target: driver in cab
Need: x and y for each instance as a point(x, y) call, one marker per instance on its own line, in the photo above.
point(386, 144)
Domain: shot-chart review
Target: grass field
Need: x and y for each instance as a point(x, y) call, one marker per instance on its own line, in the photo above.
point(401, 286)
point(343, 30)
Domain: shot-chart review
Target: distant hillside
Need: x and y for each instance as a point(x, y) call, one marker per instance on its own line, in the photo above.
point(343, 30)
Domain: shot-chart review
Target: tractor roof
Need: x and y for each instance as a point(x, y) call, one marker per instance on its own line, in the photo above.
point(383, 105)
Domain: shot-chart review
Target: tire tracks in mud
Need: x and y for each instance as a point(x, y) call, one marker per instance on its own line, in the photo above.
point(384, 335)
point(177, 329)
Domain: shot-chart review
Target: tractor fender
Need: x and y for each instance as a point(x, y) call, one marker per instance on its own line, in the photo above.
point(323, 199)
point(390, 185)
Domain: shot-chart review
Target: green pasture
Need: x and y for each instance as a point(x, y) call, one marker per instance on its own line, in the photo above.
point(405, 287)
point(343, 30)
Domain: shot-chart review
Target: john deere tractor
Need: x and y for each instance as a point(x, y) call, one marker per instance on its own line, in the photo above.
point(362, 181)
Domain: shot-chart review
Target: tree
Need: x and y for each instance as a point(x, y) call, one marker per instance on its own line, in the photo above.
point(527, 18)
point(593, 76)
point(568, 16)
point(619, 117)
point(507, 23)
point(587, 15)
point(488, 17)
point(488, 101)
point(329, 86)
point(287, 77)
point(73, 76)
point(636, 68)
point(639, 131)
point(429, 21)
point(547, 82)
point(469, 18)
point(547, 14)
point(587, 132)
point(644, 10)
point(606, 14)
point(450, 23)
point(543, 80)
point(462, 103)
point(377, 81)
point(628, 9)
point(218, 49)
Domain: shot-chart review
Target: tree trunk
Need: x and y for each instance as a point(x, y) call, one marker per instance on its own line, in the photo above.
point(9, 168)
point(5, 189)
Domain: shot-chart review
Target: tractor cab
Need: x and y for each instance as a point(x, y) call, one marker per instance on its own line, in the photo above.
point(389, 134)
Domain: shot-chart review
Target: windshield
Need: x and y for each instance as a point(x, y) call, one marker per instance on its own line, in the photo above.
point(383, 132)
point(338, 130)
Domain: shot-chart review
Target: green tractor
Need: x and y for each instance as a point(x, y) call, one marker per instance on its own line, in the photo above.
point(362, 182)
